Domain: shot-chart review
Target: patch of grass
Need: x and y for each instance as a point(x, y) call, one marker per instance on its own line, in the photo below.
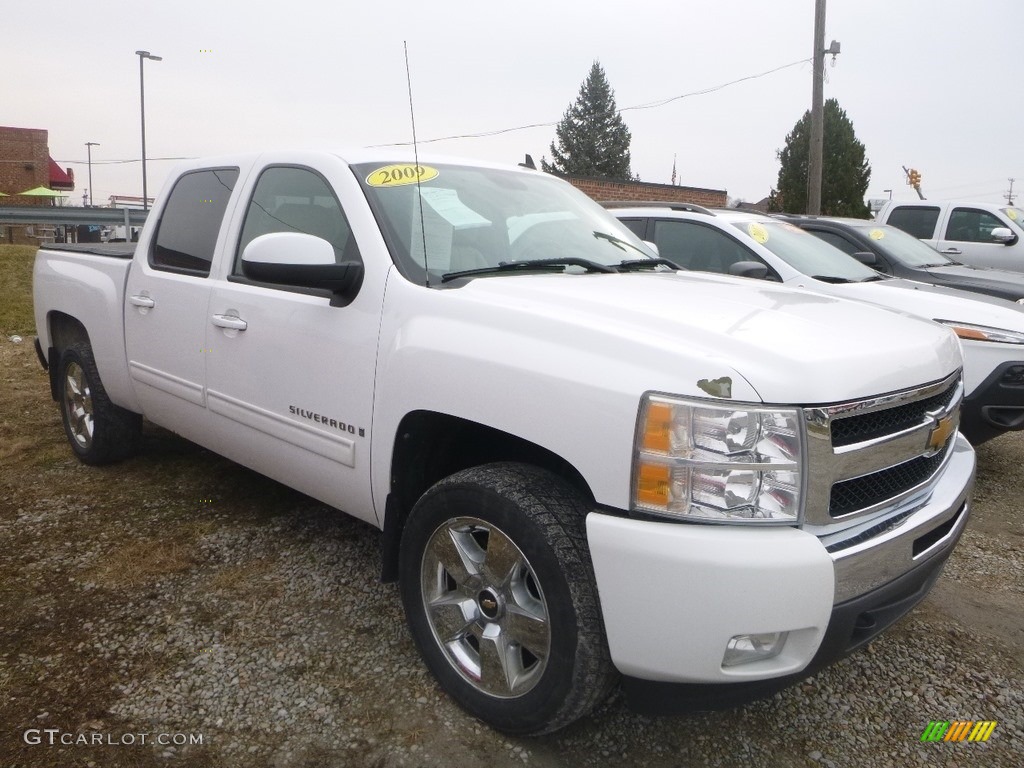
point(16, 290)
point(143, 560)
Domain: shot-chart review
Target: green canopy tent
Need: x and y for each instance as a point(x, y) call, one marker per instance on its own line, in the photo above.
point(42, 192)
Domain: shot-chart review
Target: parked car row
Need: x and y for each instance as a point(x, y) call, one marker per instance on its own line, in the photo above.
point(991, 330)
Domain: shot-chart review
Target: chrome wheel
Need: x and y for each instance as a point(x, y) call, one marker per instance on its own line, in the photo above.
point(485, 607)
point(78, 405)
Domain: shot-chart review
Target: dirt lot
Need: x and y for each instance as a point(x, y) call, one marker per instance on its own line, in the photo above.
point(178, 594)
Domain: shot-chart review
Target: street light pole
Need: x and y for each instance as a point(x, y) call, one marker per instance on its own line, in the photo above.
point(88, 146)
point(143, 55)
point(814, 160)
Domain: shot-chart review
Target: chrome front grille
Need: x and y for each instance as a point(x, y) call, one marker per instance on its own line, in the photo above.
point(873, 455)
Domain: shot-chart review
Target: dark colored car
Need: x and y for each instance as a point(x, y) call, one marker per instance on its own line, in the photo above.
point(893, 252)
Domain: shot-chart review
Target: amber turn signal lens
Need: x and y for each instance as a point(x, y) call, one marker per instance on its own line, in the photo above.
point(657, 428)
point(652, 485)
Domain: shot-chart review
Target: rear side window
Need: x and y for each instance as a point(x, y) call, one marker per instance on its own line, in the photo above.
point(191, 220)
point(637, 226)
point(291, 199)
point(918, 221)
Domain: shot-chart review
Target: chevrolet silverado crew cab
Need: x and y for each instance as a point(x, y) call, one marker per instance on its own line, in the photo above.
point(587, 468)
point(983, 234)
point(991, 330)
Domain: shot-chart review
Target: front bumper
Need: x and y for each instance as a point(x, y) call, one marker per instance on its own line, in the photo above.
point(673, 594)
point(994, 406)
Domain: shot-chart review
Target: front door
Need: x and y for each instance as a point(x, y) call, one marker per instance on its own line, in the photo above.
point(290, 378)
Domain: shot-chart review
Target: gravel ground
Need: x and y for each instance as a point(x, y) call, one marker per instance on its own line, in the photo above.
point(178, 593)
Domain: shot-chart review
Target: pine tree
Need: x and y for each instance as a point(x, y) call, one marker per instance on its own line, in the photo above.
point(845, 172)
point(592, 139)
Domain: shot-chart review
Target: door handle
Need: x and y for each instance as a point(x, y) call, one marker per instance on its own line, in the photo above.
point(954, 251)
point(229, 321)
point(142, 301)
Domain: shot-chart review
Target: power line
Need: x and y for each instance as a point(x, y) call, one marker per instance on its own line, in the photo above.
point(649, 105)
point(120, 162)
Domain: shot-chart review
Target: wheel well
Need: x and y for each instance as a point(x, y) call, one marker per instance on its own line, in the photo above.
point(65, 330)
point(430, 446)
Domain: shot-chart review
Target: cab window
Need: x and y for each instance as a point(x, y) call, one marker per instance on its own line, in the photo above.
point(969, 225)
point(293, 199)
point(916, 220)
point(699, 247)
point(190, 221)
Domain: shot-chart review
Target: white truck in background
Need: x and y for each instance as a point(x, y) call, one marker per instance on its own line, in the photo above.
point(587, 467)
point(981, 234)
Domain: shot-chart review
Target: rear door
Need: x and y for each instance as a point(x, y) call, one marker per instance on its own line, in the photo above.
point(166, 300)
point(290, 377)
point(967, 237)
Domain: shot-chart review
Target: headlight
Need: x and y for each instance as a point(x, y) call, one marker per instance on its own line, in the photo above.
point(983, 332)
point(718, 463)
point(1020, 301)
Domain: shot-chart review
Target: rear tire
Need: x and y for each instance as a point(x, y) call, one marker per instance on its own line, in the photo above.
point(499, 591)
point(98, 431)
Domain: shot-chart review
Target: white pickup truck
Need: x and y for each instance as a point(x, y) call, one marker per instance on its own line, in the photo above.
point(587, 467)
point(982, 234)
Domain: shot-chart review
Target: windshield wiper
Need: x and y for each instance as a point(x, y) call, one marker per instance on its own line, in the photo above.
point(939, 264)
point(631, 265)
point(541, 265)
point(831, 279)
point(872, 278)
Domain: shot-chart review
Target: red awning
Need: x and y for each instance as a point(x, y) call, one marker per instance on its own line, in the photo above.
point(59, 179)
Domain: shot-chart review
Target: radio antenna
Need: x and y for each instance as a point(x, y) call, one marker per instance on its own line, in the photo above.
point(416, 158)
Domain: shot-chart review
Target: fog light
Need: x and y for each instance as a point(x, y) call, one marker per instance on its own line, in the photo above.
point(743, 649)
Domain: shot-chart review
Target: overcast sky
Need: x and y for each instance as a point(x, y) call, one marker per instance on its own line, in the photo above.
point(931, 84)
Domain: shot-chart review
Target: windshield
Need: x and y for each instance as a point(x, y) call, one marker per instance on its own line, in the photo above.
point(463, 218)
point(806, 253)
point(1016, 215)
point(903, 247)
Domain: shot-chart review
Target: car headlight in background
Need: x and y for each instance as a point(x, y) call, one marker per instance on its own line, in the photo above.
point(1020, 301)
point(729, 463)
point(983, 332)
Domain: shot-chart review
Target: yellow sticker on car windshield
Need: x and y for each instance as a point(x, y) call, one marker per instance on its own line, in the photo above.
point(876, 234)
point(1012, 214)
point(399, 175)
point(757, 232)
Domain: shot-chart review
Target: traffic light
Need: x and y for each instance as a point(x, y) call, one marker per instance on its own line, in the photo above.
point(914, 178)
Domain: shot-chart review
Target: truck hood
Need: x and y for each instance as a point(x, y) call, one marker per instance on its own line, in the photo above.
point(936, 302)
point(776, 344)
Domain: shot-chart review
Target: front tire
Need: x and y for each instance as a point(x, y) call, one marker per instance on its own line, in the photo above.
point(98, 431)
point(500, 595)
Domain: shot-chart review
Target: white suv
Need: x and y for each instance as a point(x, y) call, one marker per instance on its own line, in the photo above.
point(991, 330)
point(983, 234)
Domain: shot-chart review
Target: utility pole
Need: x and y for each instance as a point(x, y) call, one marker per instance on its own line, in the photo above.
point(88, 146)
point(1009, 195)
point(814, 160)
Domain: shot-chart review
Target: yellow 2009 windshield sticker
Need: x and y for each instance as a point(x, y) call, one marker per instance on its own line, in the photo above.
point(1012, 214)
point(757, 232)
point(399, 175)
point(876, 234)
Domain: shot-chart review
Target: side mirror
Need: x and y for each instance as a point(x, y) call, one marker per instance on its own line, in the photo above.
point(866, 257)
point(306, 261)
point(1003, 235)
point(653, 247)
point(754, 269)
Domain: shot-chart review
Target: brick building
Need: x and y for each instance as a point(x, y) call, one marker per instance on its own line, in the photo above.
point(641, 191)
point(25, 164)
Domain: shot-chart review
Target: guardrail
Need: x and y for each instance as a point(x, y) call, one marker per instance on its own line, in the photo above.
point(30, 214)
